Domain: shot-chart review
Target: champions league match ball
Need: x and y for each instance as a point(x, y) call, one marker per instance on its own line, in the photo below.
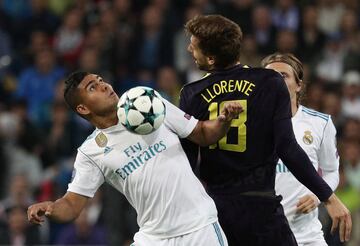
point(141, 110)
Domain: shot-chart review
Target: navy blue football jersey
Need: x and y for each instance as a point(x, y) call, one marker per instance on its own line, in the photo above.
point(245, 159)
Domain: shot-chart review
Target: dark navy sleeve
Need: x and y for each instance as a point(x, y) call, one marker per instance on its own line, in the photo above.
point(290, 152)
point(191, 149)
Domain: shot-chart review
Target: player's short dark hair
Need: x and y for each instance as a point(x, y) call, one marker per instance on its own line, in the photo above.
point(294, 63)
point(218, 37)
point(71, 92)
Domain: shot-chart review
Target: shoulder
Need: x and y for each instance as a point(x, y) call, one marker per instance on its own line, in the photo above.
point(315, 115)
point(89, 142)
point(196, 82)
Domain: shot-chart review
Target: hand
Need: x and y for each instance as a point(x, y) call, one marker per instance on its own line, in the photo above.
point(340, 216)
point(307, 204)
point(230, 111)
point(37, 211)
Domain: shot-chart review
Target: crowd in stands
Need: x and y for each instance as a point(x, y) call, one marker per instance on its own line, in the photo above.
point(142, 42)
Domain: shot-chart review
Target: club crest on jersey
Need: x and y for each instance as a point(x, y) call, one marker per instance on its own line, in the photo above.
point(101, 140)
point(308, 138)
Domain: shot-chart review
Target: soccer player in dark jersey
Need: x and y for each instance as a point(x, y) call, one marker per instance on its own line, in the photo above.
point(239, 171)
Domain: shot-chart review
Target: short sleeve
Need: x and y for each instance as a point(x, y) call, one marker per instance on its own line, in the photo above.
point(178, 121)
point(87, 176)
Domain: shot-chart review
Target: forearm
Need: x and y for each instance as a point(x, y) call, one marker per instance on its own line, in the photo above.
point(67, 208)
point(209, 132)
point(63, 211)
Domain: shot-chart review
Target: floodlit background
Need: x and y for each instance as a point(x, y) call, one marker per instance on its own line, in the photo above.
point(142, 42)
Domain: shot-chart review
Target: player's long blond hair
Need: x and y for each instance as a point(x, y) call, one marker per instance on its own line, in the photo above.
point(296, 66)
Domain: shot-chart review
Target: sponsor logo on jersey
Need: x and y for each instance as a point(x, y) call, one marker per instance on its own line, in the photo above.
point(308, 138)
point(137, 157)
point(101, 140)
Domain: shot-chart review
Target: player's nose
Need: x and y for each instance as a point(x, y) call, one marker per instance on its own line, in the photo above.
point(189, 48)
point(104, 86)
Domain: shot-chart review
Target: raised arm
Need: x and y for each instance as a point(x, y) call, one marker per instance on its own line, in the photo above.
point(210, 131)
point(63, 210)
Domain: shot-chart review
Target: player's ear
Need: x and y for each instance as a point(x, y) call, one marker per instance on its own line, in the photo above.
point(300, 85)
point(211, 60)
point(82, 109)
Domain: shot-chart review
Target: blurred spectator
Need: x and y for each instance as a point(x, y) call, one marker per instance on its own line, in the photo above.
point(311, 39)
point(143, 43)
point(59, 7)
point(239, 12)
point(6, 54)
point(330, 63)
point(17, 14)
point(285, 15)
point(184, 61)
point(42, 18)
point(37, 84)
point(314, 96)
point(18, 231)
point(330, 15)
point(286, 42)
point(85, 230)
point(39, 41)
point(168, 84)
point(19, 194)
point(126, 22)
point(57, 133)
point(23, 159)
point(263, 29)
point(205, 6)
point(249, 52)
point(152, 49)
point(351, 130)
point(351, 159)
point(16, 9)
point(350, 104)
point(89, 60)
point(349, 26)
point(69, 38)
point(331, 104)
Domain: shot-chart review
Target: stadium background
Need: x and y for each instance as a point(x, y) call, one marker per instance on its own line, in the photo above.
point(142, 42)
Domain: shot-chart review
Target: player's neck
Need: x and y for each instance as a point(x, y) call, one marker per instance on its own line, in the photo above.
point(105, 122)
point(294, 107)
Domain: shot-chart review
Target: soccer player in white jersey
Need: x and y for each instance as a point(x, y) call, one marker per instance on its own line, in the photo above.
point(152, 171)
point(316, 134)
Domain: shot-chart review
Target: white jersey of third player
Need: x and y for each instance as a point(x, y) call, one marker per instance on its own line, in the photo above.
point(315, 133)
point(153, 173)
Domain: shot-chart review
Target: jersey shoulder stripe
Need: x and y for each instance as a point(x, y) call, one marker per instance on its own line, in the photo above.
point(315, 113)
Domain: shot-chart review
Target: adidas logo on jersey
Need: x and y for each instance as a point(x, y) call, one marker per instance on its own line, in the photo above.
point(107, 150)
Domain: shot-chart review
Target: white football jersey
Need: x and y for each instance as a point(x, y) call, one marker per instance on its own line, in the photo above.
point(316, 134)
point(153, 173)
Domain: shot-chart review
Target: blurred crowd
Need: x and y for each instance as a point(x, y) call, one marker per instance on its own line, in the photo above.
point(141, 42)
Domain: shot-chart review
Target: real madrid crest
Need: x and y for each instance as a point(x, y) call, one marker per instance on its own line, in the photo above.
point(308, 138)
point(101, 140)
